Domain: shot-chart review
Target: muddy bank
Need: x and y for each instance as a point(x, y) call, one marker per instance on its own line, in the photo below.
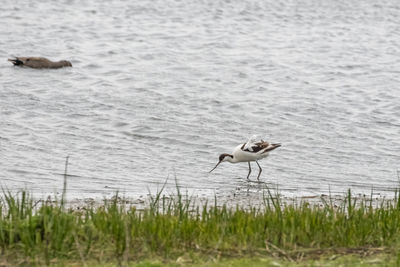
point(241, 200)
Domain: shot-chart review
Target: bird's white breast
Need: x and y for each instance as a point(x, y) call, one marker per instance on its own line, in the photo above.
point(242, 156)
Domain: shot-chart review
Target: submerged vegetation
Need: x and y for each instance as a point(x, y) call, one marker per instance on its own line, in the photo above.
point(174, 227)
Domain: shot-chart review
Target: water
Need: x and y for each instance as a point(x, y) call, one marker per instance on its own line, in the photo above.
point(159, 89)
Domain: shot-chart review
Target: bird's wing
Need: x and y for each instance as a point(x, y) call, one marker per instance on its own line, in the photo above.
point(256, 147)
point(253, 145)
point(249, 144)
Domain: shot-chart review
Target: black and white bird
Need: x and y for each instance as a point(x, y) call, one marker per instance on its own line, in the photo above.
point(252, 150)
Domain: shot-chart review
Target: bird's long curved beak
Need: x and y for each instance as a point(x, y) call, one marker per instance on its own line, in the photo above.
point(215, 166)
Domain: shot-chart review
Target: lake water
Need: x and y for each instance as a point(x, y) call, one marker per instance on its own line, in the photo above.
point(159, 89)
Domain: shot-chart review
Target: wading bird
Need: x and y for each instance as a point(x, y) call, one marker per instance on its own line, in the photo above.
point(39, 63)
point(253, 150)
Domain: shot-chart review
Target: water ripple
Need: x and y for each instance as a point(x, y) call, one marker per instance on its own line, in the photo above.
point(160, 88)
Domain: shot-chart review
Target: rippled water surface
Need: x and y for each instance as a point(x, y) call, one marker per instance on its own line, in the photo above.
point(159, 89)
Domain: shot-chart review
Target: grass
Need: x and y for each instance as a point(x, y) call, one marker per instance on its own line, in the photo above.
point(176, 228)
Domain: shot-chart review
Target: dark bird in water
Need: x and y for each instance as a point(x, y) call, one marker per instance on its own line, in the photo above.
point(39, 63)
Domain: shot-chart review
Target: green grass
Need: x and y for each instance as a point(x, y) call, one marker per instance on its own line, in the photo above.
point(176, 228)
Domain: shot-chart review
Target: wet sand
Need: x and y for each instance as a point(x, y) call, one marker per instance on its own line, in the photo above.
point(245, 201)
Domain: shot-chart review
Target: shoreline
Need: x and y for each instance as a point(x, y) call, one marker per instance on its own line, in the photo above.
point(182, 229)
point(245, 202)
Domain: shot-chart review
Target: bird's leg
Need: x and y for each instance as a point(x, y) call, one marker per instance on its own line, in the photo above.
point(249, 171)
point(258, 177)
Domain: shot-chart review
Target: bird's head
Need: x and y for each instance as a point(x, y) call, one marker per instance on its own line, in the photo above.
point(66, 63)
point(222, 158)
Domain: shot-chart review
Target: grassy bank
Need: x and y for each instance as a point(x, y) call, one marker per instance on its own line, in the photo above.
point(178, 230)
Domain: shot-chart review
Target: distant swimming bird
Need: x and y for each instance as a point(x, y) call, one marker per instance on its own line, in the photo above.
point(39, 63)
point(253, 150)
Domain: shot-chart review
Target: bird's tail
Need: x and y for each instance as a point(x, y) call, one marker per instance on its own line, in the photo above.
point(271, 147)
point(16, 61)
